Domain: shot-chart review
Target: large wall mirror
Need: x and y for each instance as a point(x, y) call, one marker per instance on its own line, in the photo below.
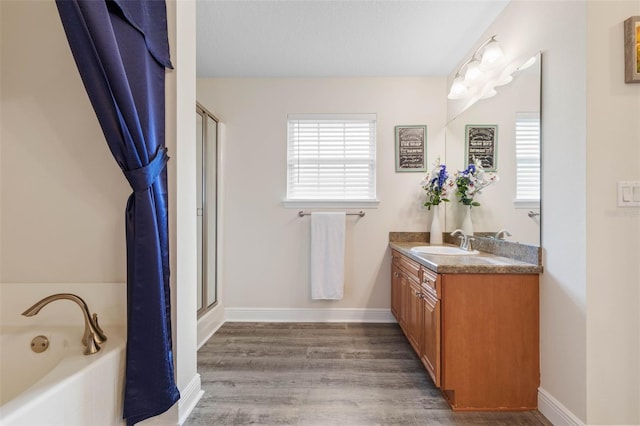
point(510, 203)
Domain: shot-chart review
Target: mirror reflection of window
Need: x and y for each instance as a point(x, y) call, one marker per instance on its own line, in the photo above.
point(527, 140)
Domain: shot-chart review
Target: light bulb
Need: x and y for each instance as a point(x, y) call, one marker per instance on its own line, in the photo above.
point(492, 55)
point(458, 89)
point(473, 73)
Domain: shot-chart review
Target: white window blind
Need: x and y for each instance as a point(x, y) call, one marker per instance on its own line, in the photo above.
point(527, 159)
point(331, 157)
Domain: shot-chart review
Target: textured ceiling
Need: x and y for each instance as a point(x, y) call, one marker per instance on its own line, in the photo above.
point(331, 38)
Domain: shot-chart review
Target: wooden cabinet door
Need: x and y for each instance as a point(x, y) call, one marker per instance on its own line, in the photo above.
point(396, 291)
point(430, 355)
point(403, 305)
point(414, 314)
point(490, 335)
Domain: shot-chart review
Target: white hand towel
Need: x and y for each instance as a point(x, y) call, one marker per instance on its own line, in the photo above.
point(327, 255)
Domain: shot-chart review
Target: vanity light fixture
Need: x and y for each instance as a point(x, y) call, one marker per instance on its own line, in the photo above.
point(481, 73)
point(478, 77)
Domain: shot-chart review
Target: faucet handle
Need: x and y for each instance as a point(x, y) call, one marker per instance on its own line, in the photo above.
point(464, 238)
point(501, 234)
point(100, 337)
point(469, 239)
point(458, 231)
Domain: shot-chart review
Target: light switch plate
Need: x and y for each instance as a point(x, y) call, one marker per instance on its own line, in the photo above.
point(629, 193)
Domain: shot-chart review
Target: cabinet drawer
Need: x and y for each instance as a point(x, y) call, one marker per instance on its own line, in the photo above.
point(431, 282)
point(410, 266)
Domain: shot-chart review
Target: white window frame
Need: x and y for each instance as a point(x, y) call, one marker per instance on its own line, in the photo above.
point(527, 141)
point(294, 160)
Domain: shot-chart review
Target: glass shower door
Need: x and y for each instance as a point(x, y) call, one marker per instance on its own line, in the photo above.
point(207, 207)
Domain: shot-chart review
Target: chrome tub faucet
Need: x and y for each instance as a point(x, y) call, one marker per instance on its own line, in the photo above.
point(93, 335)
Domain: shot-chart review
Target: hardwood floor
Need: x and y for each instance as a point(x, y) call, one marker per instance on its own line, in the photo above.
point(324, 374)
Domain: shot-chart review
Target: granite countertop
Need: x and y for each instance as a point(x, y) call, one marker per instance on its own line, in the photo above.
point(482, 263)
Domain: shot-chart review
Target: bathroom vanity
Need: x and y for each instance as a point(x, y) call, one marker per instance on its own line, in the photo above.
point(473, 321)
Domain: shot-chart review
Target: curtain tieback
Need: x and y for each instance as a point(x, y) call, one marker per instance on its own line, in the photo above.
point(141, 179)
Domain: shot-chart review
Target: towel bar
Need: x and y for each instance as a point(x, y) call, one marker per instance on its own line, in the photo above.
point(360, 213)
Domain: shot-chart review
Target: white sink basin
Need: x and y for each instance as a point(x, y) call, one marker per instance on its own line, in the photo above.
point(443, 250)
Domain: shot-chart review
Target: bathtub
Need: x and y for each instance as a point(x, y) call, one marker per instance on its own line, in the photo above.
point(60, 386)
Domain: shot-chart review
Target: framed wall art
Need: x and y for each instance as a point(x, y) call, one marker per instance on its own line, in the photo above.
point(632, 50)
point(411, 148)
point(482, 144)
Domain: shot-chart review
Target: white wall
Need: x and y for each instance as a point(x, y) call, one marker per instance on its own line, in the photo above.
point(613, 233)
point(62, 194)
point(180, 141)
point(559, 30)
point(266, 246)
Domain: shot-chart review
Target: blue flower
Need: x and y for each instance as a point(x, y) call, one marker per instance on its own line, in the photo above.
point(471, 181)
point(436, 185)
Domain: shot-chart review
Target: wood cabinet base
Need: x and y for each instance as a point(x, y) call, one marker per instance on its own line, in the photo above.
point(490, 352)
point(476, 334)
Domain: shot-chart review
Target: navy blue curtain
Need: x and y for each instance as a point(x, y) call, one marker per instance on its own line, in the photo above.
point(121, 50)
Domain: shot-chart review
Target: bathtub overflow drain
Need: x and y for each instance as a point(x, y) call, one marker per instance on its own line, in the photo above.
point(39, 344)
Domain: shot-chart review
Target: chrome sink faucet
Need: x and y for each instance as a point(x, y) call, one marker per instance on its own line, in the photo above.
point(93, 335)
point(465, 240)
point(501, 234)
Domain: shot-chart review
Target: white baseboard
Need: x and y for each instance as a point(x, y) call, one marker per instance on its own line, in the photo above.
point(189, 397)
point(555, 412)
point(308, 315)
point(208, 324)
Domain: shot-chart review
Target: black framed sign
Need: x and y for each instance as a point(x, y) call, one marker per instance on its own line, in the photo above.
point(411, 148)
point(482, 145)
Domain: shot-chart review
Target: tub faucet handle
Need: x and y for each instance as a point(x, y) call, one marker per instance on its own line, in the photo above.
point(93, 336)
point(95, 323)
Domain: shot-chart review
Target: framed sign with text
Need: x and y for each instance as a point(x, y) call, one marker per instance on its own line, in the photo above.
point(482, 145)
point(411, 148)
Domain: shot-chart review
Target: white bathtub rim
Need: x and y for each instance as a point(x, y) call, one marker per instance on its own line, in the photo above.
point(67, 370)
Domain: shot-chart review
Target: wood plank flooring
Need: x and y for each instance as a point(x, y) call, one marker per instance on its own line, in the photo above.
point(324, 374)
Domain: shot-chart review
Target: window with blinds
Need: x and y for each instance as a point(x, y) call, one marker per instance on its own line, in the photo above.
point(527, 159)
point(331, 158)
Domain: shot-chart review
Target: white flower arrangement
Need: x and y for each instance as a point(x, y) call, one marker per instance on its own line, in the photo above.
point(471, 181)
point(437, 185)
